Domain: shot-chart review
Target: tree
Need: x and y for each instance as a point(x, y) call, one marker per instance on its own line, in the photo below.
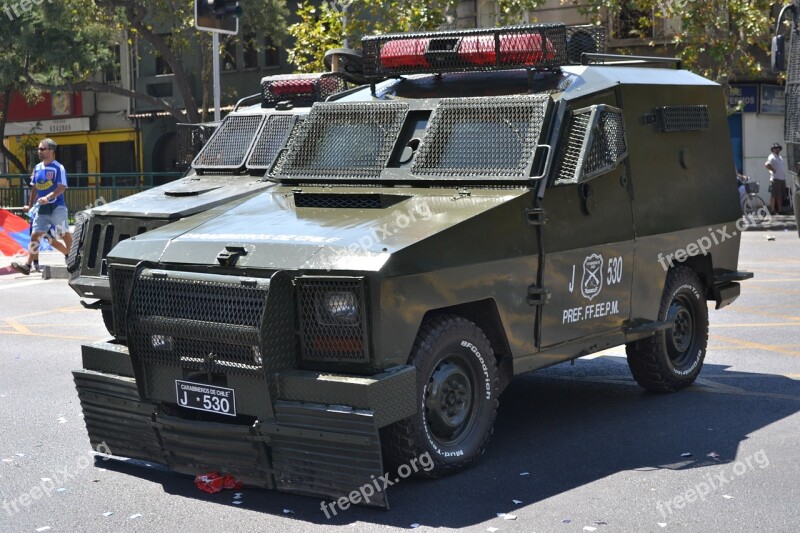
point(719, 39)
point(261, 17)
point(329, 24)
point(166, 26)
point(45, 40)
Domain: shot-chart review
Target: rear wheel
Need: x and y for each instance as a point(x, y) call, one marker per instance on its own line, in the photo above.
point(672, 359)
point(457, 388)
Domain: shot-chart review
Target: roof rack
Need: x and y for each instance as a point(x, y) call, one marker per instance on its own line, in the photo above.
point(627, 61)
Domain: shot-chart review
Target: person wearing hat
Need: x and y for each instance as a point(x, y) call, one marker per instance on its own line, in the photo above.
point(777, 177)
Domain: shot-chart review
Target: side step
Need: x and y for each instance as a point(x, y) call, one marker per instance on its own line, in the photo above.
point(641, 329)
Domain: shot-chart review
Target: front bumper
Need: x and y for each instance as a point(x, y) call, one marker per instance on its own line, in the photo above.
point(321, 441)
point(92, 287)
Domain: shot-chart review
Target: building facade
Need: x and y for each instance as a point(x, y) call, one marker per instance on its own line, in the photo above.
point(93, 130)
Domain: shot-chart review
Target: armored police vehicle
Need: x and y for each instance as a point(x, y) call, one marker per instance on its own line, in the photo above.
point(493, 202)
point(230, 167)
point(780, 62)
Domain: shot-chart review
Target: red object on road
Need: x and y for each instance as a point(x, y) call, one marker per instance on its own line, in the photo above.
point(214, 482)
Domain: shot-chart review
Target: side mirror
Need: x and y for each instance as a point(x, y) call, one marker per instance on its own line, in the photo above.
point(778, 54)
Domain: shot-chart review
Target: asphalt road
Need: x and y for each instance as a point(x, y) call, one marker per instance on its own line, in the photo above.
point(575, 447)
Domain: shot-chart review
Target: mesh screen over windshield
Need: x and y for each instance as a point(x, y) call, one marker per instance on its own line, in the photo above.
point(493, 137)
point(345, 140)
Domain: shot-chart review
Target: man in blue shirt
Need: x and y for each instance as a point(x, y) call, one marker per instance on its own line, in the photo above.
point(48, 183)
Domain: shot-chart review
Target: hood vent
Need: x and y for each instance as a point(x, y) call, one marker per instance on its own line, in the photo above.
point(348, 201)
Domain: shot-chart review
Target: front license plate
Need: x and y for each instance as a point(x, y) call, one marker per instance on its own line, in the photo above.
point(208, 398)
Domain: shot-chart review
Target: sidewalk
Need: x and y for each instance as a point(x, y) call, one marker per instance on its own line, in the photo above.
point(51, 263)
point(52, 259)
point(777, 223)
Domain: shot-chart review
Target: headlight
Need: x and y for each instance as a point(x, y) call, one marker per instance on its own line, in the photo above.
point(338, 307)
point(333, 319)
point(161, 342)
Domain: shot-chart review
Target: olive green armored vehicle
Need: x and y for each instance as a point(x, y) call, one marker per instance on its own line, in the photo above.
point(494, 202)
point(227, 162)
point(790, 63)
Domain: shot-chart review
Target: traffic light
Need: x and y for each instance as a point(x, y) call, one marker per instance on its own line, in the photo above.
point(221, 16)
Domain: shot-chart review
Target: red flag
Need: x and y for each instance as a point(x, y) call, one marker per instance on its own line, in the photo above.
point(14, 234)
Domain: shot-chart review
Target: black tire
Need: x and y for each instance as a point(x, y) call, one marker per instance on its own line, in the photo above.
point(457, 390)
point(108, 320)
point(671, 359)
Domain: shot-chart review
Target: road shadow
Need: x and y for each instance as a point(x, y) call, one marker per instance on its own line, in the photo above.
point(566, 427)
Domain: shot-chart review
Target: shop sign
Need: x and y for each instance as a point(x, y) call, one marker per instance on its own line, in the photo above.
point(47, 127)
point(772, 100)
point(747, 95)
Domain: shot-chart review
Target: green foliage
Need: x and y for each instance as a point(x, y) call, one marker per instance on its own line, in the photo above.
point(57, 41)
point(319, 30)
point(329, 24)
point(719, 39)
point(63, 44)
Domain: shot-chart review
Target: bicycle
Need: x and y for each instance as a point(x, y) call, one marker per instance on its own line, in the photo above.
point(752, 203)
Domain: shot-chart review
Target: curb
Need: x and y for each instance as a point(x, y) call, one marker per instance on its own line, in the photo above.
point(55, 272)
point(778, 223)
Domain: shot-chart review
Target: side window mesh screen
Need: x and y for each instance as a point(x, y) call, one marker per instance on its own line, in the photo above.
point(271, 140)
point(231, 143)
point(482, 137)
point(594, 144)
point(191, 138)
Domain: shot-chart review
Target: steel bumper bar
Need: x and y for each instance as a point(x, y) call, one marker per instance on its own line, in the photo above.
point(323, 440)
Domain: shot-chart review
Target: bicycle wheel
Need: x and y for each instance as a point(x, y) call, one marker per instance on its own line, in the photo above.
point(754, 209)
point(747, 206)
point(759, 209)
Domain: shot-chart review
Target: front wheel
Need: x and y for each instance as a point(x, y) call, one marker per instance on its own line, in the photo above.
point(457, 389)
point(671, 359)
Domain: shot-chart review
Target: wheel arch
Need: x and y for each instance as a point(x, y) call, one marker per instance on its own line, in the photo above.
point(485, 315)
point(703, 266)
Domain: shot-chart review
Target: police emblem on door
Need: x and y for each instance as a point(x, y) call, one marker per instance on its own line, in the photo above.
point(592, 282)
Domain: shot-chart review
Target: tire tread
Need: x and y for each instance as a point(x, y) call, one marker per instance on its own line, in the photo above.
point(400, 440)
point(644, 358)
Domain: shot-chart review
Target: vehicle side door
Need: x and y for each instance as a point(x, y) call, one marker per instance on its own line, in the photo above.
point(588, 236)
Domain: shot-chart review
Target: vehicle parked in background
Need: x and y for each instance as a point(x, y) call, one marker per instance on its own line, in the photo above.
point(228, 162)
point(790, 63)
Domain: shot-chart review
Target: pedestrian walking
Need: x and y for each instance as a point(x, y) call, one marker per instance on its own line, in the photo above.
point(48, 183)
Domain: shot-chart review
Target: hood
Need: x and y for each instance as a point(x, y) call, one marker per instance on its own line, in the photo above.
point(356, 229)
point(184, 197)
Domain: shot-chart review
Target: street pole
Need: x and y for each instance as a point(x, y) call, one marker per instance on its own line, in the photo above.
point(215, 68)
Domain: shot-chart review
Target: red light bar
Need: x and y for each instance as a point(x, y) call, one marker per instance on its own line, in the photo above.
point(292, 87)
point(300, 89)
point(405, 53)
point(536, 46)
point(527, 50)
